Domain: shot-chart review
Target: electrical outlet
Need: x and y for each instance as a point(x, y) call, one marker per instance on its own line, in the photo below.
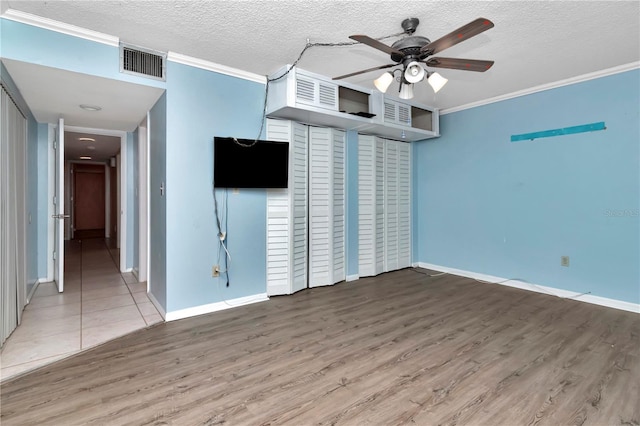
point(564, 261)
point(215, 271)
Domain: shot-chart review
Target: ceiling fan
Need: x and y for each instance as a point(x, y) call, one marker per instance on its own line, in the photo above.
point(410, 51)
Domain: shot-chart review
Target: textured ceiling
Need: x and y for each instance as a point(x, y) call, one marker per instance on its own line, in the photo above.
point(533, 43)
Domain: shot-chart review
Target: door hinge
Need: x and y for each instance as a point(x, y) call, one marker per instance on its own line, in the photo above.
point(54, 255)
point(55, 200)
point(55, 144)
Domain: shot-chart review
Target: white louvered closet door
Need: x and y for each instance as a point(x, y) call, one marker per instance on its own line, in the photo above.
point(380, 205)
point(287, 214)
point(367, 247)
point(404, 204)
point(13, 140)
point(384, 205)
point(326, 206)
point(391, 206)
point(339, 219)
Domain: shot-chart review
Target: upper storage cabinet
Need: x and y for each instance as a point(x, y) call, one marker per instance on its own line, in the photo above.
point(310, 91)
point(314, 99)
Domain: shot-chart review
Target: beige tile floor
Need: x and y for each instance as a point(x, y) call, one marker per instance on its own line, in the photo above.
point(98, 304)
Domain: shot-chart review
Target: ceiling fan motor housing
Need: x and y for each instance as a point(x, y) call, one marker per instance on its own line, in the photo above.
point(410, 46)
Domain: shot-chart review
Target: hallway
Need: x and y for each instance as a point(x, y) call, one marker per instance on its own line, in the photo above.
point(98, 304)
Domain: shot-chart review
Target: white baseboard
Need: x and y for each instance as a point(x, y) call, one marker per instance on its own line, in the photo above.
point(214, 307)
point(515, 282)
point(34, 288)
point(353, 277)
point(278, 289)
point(157, 304)
point(134, 271)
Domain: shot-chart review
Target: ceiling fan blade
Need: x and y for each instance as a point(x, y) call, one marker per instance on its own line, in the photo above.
point(376, 44)
point(459, 64)
point(463, 33)
point(364, 71)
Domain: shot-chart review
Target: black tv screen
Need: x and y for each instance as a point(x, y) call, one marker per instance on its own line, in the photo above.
point(263, 165)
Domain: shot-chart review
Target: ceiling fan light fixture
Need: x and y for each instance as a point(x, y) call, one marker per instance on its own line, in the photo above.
point(406, 91)
point(436, 81)
point(414, 72)
point(383, 82)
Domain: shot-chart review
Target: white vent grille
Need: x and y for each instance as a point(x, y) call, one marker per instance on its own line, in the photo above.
point(404, 114)
point(389, 111)
point(327, 95)
point(304, 90)
point(144, 62)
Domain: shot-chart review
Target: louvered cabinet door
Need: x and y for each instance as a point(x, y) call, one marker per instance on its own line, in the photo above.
point(287, 214)
point(317, 93)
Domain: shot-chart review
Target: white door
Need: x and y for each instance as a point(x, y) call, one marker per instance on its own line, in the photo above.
point(326, 206)
point(58, 254)
point(299, 200)
point(404, 205)
point(391, 206)
point(287, 214)
point(320, 235)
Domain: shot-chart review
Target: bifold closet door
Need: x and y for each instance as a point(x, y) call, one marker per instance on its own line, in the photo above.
point(326, 206)
point(370, 206)
point(384, 205)
point(287, 214)
point(13, 140)
point(397, 190)
point(404, 204)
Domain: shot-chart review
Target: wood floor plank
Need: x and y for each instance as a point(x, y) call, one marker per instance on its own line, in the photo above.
point(399, 348)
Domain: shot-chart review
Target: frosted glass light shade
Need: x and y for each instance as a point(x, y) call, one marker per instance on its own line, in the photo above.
point(436, 81)
point(406, 91)
point(414, 72)
point(383, 82)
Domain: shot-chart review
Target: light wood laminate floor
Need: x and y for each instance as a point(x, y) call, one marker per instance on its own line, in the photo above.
point(400, 348)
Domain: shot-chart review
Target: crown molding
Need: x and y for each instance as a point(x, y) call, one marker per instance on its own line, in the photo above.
point(60, 27)
point(548, 86)
point(212, 66)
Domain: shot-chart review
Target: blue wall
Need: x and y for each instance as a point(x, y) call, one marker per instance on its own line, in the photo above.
point(197, 106)
point(40, 46)
point(491, 206)
point(200, 105)
point(157, 201)
point(43, 199)
point(132, 200)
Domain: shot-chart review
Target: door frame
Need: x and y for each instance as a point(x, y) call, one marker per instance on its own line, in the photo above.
point(143, 200)
point(122, 229)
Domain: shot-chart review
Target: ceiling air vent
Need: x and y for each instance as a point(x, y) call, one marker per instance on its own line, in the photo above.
point(145, 62)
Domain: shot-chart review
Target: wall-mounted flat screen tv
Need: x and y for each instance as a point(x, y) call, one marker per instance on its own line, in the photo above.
point(265, 164)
